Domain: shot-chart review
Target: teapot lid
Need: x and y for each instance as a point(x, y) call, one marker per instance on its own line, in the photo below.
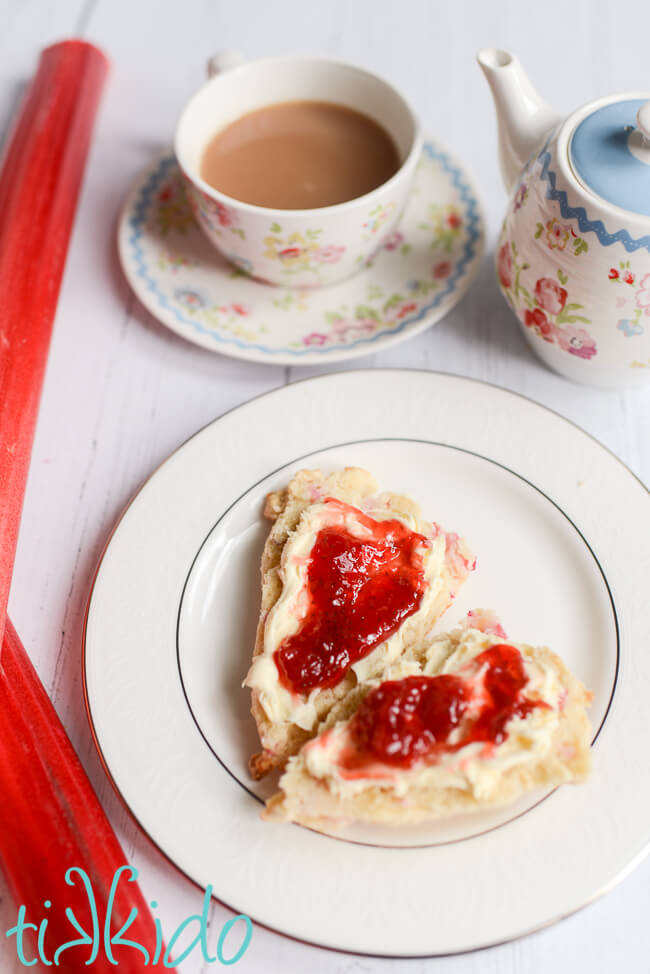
point(610, 153)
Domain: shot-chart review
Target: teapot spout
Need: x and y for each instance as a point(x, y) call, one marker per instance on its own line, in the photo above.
point(523, 117)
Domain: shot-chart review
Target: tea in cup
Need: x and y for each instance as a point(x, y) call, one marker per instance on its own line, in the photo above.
point(298, 168)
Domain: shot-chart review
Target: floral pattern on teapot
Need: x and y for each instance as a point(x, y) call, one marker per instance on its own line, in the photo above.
point(571, 290)
point(573, 256)
point(546, 311)
point(638, 300)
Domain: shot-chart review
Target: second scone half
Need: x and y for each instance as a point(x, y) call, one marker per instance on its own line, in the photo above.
point(476, 723)
point(351, 577)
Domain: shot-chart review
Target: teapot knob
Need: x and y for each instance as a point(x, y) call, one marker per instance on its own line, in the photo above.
point(639, 140)
point(643, 119)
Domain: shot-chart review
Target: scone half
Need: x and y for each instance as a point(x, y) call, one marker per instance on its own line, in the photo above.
point(495, 720)
point(288, 710)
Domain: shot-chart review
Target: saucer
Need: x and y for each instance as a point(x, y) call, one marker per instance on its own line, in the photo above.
point(419, 272)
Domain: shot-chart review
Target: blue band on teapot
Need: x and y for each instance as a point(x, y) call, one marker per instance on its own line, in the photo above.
point(579, 213)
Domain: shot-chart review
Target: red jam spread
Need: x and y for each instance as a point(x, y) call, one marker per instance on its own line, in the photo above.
point(360, 590)
point(404, 721)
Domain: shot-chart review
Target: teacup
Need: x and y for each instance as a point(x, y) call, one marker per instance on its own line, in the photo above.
point(296, 248)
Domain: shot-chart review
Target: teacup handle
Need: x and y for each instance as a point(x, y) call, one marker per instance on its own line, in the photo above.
point(223, 61)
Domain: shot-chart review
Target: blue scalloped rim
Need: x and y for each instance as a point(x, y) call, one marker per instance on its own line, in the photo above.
point(580, 214)
point(138, 220)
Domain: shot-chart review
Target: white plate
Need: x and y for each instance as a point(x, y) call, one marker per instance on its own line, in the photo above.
point(419, 273)
point(554, 519)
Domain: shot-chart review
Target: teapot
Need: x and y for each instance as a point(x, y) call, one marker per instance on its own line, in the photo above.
point(573, 255)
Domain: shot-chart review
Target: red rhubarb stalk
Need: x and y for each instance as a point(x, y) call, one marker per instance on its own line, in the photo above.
point(50, 819)
point(39, 184)
point(50, 822)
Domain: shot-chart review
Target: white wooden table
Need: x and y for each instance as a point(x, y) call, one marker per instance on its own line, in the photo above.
point(122, 392)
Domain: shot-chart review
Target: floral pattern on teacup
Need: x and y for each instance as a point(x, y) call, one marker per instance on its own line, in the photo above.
point(378, 217)
point(215, 215)
point(300, 252)
point(395, 242)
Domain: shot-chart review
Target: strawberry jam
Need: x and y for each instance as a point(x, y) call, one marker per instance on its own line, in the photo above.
point(360, 590)
point(404, 721)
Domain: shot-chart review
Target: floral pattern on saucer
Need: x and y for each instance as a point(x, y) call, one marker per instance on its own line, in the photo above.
point(417, 274)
